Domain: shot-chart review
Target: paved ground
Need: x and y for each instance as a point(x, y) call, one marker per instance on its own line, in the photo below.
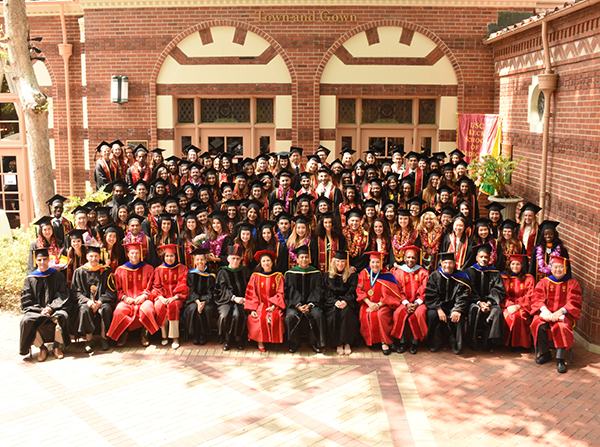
point(158, 396)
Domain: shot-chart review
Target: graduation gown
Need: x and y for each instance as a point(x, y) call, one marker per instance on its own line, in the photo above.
point(322, 252)
point(202, 289)
point(133, 281)
point(516, 325)
point(61, 227)
point(40, 290)
point(539, 263)
point(148, 249)
point(376, 327)
point(356, 242)
point(103, 279)
point(231, 320)
point(451, 294)
point(168, 281)
point(105, 172)
point(342, 324)
point(464, 257)
point(263, 291)
point(412, 285)
point(555, 294)
point(486, 286)
point(305, 286)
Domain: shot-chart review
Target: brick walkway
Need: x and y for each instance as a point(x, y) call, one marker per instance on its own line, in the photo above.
point(158, 396)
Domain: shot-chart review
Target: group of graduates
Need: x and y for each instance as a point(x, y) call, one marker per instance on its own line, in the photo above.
point(392, 249)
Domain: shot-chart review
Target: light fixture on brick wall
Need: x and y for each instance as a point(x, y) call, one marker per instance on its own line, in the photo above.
point(119, 89)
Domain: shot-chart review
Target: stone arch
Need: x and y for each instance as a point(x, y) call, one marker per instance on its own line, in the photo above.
point(387, 23)
point(217, 23)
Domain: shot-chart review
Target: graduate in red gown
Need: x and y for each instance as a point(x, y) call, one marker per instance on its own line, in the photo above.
point(265, 302)
point(169, 291)
point(556, 304)
point(516, 307)
point(412, 281)
point(379, 295)
point(135, 308)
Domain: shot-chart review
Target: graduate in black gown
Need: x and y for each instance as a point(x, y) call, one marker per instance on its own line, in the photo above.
point(304, 300)
point(487, 292)
point(199, 306)
point(45, 298)
point(341, 308)
point(232, 281)
point(95, 293)
point(447, 300)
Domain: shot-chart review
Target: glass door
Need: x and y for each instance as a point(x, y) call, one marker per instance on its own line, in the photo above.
point(231, 141)
point(384, 141)
point(12, 187)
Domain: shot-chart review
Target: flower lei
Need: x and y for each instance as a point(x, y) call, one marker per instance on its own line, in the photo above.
point(356, 241)
point(430, 242)
point(400, 240)
point(216, 245)
point(288, 197)
point(541, 259)
point(53, 249)
point(510, 249)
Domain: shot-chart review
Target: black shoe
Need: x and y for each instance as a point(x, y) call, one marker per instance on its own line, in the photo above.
point(434, 348)
point(561, 366)
point(387, 351)
point(293, 347)
point(455, 350)
point(544, 358)
point(400, 348)
point(202, 340)
point(196, 340)
point(241, 345)
point(413, 348)
point(104, 344)
point(89, 346)
point(316, 349)
point(226, 346)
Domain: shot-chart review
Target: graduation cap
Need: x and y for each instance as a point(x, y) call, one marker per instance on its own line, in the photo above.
point(266, 224)
point(137, 201)
point(195, 165)
point(370, 204)
point(398, 150)
point(485, 248)
point(445, 188)
point(429, 209)
point(305, 174)
point(245, 226)
point(424, 156)
point(548, 225)
point(304, 198)
point(277, 202)
point(263, 156)
point(191, 147)
point(140, 182)
point(462, 163)
point(103, 210)
point(450, 210)
point(482, 222)
point(464, 180)
point(283, 155)
point(254, 204)
point(314, 157)
point(326, 170)
point(173, 159)
point(465, 220)
point(389, 203)
point(358, 163)
point(140, 148)
point(337, 161)
point(439, 155)
point(322, 148)
point(446, 257)
point(346, 172)
point(165, 217)
point(240, 175)
point(43, 252)
point(435, 173)
point(194, 204)
point(190, 216)
point(302, 250)
point(529, 207)
point(495, 206)
point(132, 217)
point(301, 219)
point(185, 164)
point(158, 181)
point(76, 233)
point(117, 142)
point(91, 206)
point(371, 167)
point(56, 198)
point(93, 249)
point(133, 246)
point(448, 167)
point(284, 215)
point(417, 201)
point(354, 212)
point(226, 185)
point(169, 248)
point(235, 250)
point(170, 199)
point(158, 150)
point(408, 179)
point(200, 251)
point(256, 184)
point(296, 149)
point(101, 145)
point(189, 185)
point(348, 150)
point(403, 212)
point(111, 228)
point(412, 154)
point(457, 152)
point(80, 210)
point(265, 175)
point(247, 161)
point(517, 257)
point(509, 223)
point(217, 214)
point(376, 181)
point(376, 254)
point(285, 173)
point(341, 254)
point(205, 156)
point(323, 199)
point(200, 189)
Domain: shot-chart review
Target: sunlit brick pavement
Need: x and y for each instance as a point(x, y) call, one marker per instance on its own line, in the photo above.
point(158, 396)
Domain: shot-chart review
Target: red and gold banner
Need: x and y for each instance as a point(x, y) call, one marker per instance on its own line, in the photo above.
point(478, 134)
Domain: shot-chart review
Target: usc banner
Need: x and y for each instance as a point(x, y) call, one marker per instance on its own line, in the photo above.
point(478, 134)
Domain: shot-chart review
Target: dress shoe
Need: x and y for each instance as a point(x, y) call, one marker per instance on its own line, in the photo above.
point(104, 344)
point(262, 348)
point(202, 340)
point(544, 358)
point(434, 348)
point(196, 340)
point(293, 347)
point(43, 355)
point(174, 345)
point(455, 350)
point(386, 350)
point(58, 353)
point(123, 339)
point(89, 346)
point(164, 341)
point(400, 348)
point(316, 349)
point(413, 348)
point(561, 366)
point(145, 337)
point(226, 346)
point(241, 345)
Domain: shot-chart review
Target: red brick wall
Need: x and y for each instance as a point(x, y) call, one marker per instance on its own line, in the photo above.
point(574, 148)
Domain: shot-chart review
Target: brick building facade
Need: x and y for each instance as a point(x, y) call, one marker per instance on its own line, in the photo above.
point(246, 78)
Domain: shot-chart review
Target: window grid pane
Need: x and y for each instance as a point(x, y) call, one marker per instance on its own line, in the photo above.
point(387, 111)
point(427, 111)
point(225, 110)
point(264, 110)
point(185, 110)
point(347, 110)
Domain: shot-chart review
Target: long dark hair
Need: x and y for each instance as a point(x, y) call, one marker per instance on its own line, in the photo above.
point(385, 235)
point(336, 229)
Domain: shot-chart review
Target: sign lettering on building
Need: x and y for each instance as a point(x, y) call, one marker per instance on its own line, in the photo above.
point(312, 16)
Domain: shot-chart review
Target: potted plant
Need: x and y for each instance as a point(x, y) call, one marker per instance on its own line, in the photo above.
point(493, 174)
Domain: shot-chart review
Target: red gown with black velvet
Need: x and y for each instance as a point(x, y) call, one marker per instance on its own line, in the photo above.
point(555, 295)
point(132, 283)
point(168, 282)
point(412, 285)
point(516, 327)
point(376, 327)
point(262, 292)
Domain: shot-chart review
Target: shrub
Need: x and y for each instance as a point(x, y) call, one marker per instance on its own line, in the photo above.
point(13, 265)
